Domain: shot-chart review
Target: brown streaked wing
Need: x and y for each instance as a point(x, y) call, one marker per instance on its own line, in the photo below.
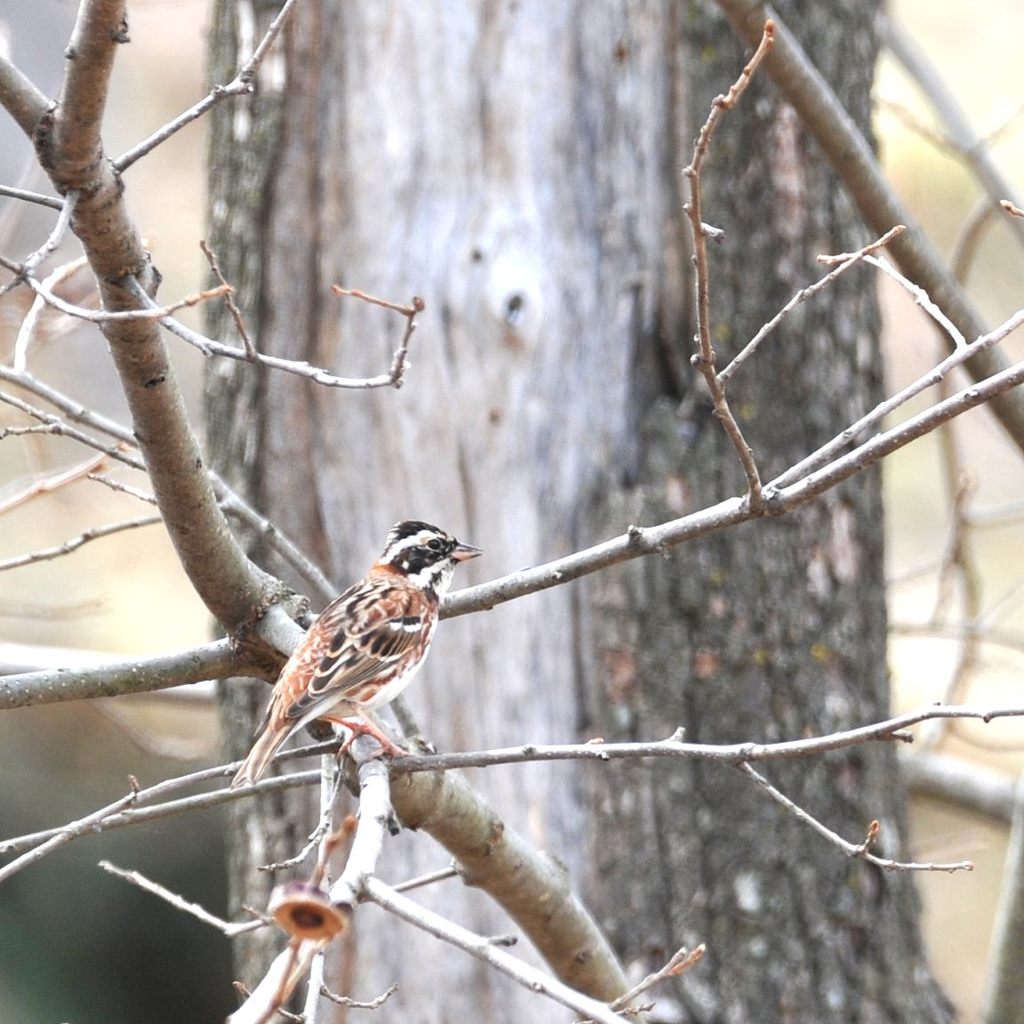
point(375, 628)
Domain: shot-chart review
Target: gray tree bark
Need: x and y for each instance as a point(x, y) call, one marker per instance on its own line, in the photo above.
point(519, 167)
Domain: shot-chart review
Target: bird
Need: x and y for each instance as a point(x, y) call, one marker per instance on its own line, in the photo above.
point(365, 646)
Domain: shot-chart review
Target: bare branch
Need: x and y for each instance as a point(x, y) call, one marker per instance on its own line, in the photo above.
point(481, 948)
point(442, 874)
point(56, 425)
point(212, 347)
point(288, 968)
point(25, 103)
point(921, 298)
point(844, 260)
point(355, 1004)
point(100, 28)
point(52, 482)
point(152, 310)
point(374, 815)
point(704, 359)
point(69, 832)
point(74, 543)
point(56, 236)
point(857, 165)
point(679, 963)
point(229, 301)
point(674, 747)
point(216, 660)
point(240, 85)
point(851, 849)
point(410, 312)
point(122, 488)
point(31, 197)
point(183, 805)
point(136, 878)
point(965, 142)
point(26, 332)
point(787, 492)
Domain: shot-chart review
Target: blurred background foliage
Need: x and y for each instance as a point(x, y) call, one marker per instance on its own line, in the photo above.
point(77, 944)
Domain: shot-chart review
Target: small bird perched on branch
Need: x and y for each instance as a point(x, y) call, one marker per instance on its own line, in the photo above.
point(366, 645)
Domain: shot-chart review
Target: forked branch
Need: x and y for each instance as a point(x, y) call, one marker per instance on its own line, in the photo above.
point(704, 358)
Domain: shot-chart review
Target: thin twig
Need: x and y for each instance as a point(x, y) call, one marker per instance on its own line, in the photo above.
point(851, 849)
point(74, 543)
point(323, 825)
point(356, 1004)
point(58, 427)
point(122, 488)
point(845, 261)
point(70, 831)
point(478, 946)
point(32, 197)
point(136, 878)
point(240, 85)
point(53, 482)
point(212, 347)
point(428, 879)
point(169, 808)
point(230, 501)
point(704, 359)
point(680, 962)
point(410, 312)
point(229, 301)
point(152, 310)
point(922, 299)
point(55, 237)
point(26, 332)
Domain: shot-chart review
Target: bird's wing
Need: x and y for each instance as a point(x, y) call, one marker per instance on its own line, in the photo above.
point(363, 633)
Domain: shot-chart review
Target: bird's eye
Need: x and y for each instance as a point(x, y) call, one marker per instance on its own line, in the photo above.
point(434, 545)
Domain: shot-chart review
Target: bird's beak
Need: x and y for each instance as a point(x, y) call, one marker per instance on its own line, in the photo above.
point(464, 552)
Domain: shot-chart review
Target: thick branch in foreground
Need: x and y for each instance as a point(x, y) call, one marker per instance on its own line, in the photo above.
point(857, 166)
point(529, 886)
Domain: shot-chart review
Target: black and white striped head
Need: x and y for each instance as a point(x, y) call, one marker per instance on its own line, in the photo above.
point(425, 554)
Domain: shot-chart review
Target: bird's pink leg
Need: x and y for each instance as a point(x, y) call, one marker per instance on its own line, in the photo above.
point(365, 727)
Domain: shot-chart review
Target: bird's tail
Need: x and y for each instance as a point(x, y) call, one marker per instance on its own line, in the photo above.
point(255, 763)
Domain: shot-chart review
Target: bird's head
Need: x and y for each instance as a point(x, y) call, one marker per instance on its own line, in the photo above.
point(426, 555)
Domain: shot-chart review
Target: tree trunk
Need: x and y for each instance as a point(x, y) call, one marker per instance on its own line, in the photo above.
point(518, 166)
